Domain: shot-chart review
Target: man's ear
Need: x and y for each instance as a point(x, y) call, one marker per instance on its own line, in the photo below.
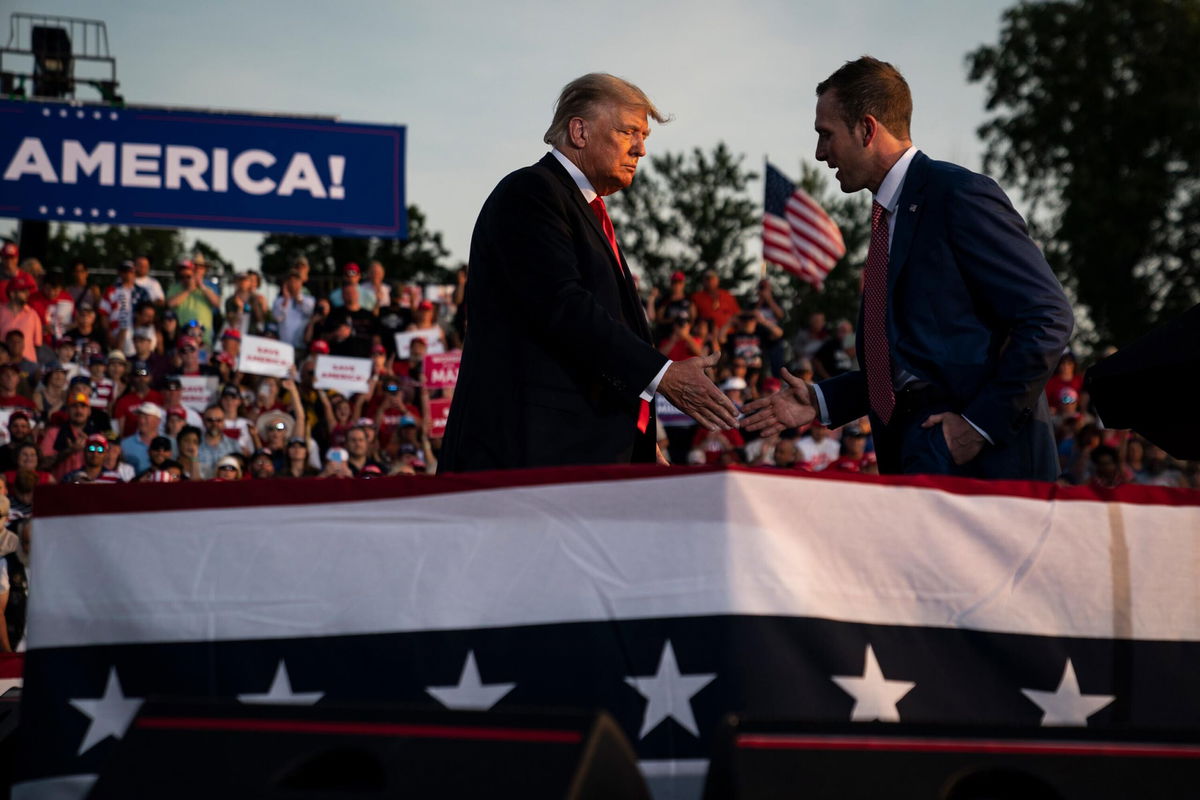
point(577, 131)
point(868, 129)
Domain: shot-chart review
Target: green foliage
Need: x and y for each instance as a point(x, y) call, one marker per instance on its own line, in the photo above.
point(419, 258)
point(691, 214)
point(1095, 118)
point(104, 247)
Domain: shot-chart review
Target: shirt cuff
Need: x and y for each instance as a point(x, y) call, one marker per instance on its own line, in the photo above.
point(823, 416)
point(648, 392)
point(982, 432)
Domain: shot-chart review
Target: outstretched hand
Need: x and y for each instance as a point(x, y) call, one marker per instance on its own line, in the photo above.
point(690, 390)
point(791, 407)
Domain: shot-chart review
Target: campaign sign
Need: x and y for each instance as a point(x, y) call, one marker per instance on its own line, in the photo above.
point(198, 390)
point(439, 412)
point(182, 168)
point(343, 374)
point(263, 356)
point(432, 337)
point(441, 369)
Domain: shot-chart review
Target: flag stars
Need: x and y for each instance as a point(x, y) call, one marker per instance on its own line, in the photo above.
point(45, 112)
point(1066, 705)
point(113, 116)
point(875, 697)
point(80, 114)
point(95, 212)
point(112, 212)
point(62, 112)
point(109, 714)
point(281, 692)
point(43, 210)
point(60, 210)
point(96, 115)
point(669, 693)
point(471, 691)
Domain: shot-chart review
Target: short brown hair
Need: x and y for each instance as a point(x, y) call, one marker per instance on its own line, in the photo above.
point(582, 96)
point(870, 86)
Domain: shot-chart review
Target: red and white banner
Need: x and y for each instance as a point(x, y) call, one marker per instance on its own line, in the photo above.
point(343, 374)
point(441, 369)
point(263, 356)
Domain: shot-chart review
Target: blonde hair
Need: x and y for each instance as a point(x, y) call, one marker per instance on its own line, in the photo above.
point(582, 96)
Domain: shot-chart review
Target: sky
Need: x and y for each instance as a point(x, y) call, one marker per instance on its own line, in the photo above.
point(475, 82)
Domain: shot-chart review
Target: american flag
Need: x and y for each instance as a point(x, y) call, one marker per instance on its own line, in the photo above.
point(797, 233)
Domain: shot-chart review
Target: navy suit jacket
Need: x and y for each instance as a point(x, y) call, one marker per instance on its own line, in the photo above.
point(974, 309)
point(557, 348)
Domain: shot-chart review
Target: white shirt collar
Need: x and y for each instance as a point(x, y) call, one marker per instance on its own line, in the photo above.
point(585, 186)
point(888, 195)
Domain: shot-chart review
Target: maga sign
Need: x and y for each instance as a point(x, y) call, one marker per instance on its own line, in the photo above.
point(441, 369)
point(150, 166)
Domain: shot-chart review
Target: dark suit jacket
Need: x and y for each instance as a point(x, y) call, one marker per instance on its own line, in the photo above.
point(974, 309)
point(557, 348)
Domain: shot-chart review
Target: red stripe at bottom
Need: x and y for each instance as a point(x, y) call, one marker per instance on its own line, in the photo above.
point(361, 729)
point(914, 745)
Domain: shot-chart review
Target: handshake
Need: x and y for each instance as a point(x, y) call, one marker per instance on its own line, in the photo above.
point(688, 388)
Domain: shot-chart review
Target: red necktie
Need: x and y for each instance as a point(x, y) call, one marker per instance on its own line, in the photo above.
point(610, 233)
point(601, 212)
point(875, 339)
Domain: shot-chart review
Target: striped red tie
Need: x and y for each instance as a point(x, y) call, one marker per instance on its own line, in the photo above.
point(601, 212)
point(880, 392)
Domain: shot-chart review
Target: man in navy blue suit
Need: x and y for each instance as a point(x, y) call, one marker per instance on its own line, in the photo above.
point(962, 320)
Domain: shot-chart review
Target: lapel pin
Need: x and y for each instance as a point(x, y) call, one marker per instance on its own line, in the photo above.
point(913, 207)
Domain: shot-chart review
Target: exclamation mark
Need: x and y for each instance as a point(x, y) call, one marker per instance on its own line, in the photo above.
point(337, 169)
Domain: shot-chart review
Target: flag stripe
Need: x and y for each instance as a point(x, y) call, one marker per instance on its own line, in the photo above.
point(922, 745)
point(815, 242)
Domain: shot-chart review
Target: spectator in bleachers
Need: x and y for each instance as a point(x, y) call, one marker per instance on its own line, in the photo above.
point(351, 276)
point(228, 468)
point(144, 341)
point(237, 427)
point(53, 305)
point(20, 432)
point(118, 370)
point(771, 318)
point(136, 447)
point(28, 459)
point(172, 397)
point(854, 456)
point(837, 353)
point(162, 448)
point(93, 469)
point(375, 293)
point(1106, 468)
point(114, 462)
point(262, 466)
point(293, 309)
point(665, 311)
point(51, 393)
point(358, 446)
point(809, 339)
point(1160, 469)
point(187, 449)
point(62, 444)
point(786, 455)
point(192, 300)
point(102, 385)
point(65, 350)
point(297, 465)
point(11, 396)
point(117, 307)
point(350, 329)
point(1064, 377)
point(818, 448)
point(169, 332)
point(139, 392)
point(395, 318)
point(147, 282)
point(425, 319)
point(245, 310)
point(680, 343)
point(715, 304)
point(17, 315)
point(215, 444)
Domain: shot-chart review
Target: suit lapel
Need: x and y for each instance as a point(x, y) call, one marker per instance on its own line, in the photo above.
point(908, 212)
point(631, 306)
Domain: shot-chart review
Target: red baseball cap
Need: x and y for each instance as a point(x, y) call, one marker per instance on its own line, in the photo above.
point(10, 250)
point(232, 333)
point(97, 438)
point(378, 350)
point(22, 280)
point(351, 269)
point(320, 346)
point(678, 276)
point(425, 305)
point(177, 411)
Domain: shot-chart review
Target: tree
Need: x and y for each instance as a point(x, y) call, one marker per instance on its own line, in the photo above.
point(1096, 122)
point(419, 258)
point(104, 247)
point(691, 214)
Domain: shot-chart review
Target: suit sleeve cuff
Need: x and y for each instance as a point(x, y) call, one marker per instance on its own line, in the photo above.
point(823, 410)
point(648, 392)
point(982, 432)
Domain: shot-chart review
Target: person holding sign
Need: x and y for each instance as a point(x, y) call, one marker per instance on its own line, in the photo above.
point(559, 366)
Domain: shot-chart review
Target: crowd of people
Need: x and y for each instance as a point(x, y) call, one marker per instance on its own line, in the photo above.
point(92, 384)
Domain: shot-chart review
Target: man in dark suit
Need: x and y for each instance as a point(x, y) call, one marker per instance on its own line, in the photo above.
point(559, 366)
point(962, 321)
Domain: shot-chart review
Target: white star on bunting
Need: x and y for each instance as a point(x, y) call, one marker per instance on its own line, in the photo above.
point(669, 693)
point(471, 691)
point(110, 715)
point(281, 692)
point(1066, 705)
point(875, 697)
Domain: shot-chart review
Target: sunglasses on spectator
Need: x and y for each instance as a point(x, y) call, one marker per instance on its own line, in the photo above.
point(214, 419)
point(187, 349)
point(95, 448)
